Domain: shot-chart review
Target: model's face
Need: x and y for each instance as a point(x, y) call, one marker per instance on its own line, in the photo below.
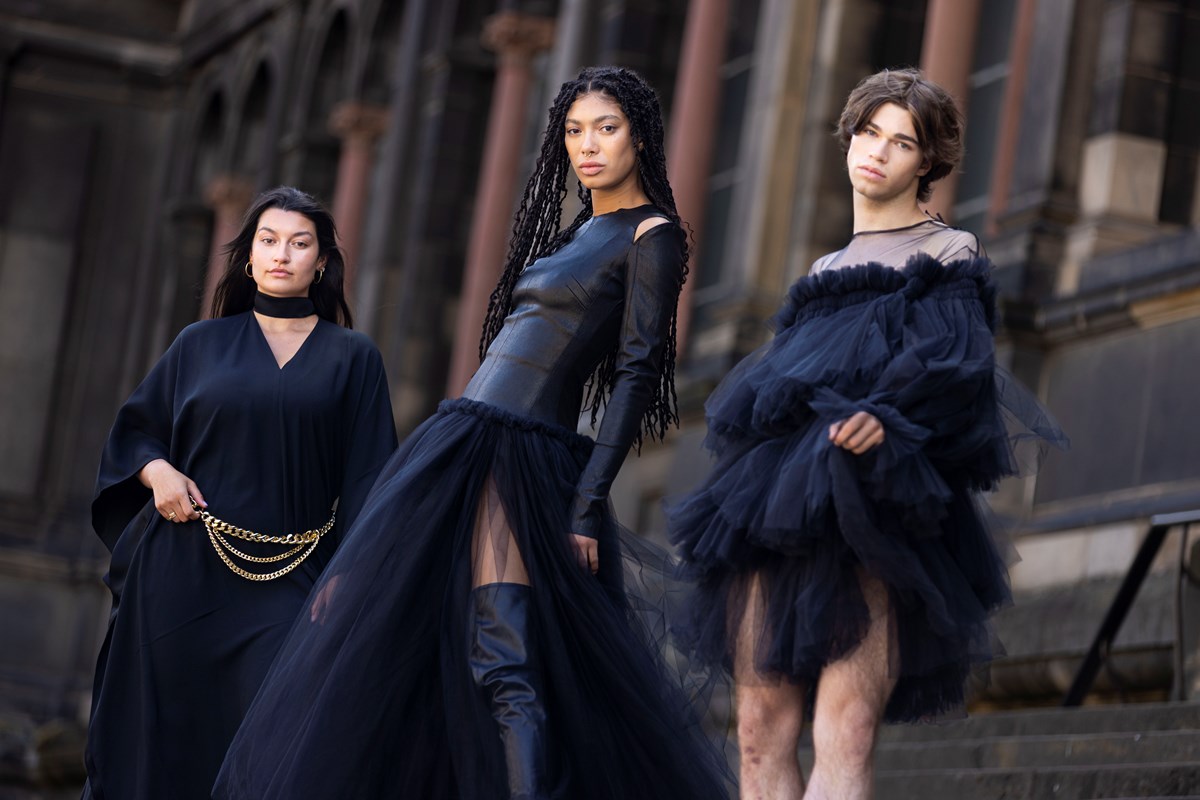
point(285, 257)
point(884, 159)
point(600, 143)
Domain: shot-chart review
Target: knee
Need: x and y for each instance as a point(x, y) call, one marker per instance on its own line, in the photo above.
point(769, 727)
point(846, 731)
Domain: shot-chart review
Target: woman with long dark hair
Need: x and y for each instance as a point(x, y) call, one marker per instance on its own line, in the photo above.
point(216, 496)
point(478, 639)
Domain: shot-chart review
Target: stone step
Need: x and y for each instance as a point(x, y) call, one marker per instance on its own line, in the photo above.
point(1147, 750)
point(14, 793)
point(1093, 782)
point(1134, 718)
point(1014, 752)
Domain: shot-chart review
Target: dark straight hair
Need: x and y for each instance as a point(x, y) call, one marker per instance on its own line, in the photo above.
point(235, 292)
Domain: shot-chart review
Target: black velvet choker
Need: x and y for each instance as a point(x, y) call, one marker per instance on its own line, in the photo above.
point(284, 307)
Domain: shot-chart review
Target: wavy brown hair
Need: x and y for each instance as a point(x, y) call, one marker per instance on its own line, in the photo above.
point(936, 118)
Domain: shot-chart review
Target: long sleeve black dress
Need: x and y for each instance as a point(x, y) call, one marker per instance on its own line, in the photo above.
point(376, 700)
point(271, 449)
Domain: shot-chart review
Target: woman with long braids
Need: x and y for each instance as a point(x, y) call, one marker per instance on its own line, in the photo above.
point(476, 638)
point(263, 417)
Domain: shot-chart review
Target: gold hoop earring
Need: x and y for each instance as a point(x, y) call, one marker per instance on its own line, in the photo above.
point(248, 269)
point(320, 274)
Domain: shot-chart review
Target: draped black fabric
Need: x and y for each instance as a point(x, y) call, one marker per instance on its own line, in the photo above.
point(374, 698)
point(914, 347)
point(271, 450)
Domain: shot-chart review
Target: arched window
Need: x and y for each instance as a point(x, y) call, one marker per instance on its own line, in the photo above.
point(319, 160)
point(253, 151)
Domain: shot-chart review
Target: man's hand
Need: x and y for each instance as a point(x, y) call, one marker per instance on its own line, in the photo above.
point(858, 434)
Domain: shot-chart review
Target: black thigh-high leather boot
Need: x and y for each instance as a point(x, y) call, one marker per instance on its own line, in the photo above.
point(504, 664)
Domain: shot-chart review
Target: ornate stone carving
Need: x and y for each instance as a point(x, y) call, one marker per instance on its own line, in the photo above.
point(358, 121)
point(517, 36)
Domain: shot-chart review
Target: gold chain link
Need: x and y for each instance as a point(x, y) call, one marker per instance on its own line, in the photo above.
point(233, 551)
point(306, 541)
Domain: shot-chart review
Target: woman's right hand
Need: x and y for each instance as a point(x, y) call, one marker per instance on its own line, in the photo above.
point(173, 491)
point(587, 552)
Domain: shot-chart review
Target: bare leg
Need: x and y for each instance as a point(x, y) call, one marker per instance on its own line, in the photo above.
point(770, 715)
point(851, 698)
point(495, 557)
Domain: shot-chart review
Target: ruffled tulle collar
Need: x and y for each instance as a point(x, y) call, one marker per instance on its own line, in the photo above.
point(920, 275)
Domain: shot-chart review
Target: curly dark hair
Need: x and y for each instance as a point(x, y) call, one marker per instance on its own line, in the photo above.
point(536, 230)
point(235, 292)
point(936, 118)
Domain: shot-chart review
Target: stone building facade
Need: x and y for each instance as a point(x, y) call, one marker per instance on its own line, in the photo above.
point(133, 134)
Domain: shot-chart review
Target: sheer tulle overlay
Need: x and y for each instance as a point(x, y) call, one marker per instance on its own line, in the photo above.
point(786, 519)
point(372, 696)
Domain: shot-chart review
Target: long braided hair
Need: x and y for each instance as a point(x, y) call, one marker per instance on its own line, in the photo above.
point(536, 231)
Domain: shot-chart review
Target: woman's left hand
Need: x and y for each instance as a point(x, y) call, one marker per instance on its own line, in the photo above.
point(319, 610)
point(587, 552)
point(858, 434)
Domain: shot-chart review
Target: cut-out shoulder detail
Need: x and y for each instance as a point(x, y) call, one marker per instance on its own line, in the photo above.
point(647, 225)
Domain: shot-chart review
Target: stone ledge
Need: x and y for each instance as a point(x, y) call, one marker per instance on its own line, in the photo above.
point(43, 761)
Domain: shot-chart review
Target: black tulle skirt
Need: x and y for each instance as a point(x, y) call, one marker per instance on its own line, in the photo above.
point(791, 523)
point(371, 696)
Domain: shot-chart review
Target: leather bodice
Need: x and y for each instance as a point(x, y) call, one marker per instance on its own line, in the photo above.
point(599, 291)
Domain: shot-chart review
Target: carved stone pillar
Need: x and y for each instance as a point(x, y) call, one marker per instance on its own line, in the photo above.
point(693, 126)
point(358, 126)
point(1123, 168)
point(516, 38)
point(1008, 136)
point(227, 196)
point(947, 52)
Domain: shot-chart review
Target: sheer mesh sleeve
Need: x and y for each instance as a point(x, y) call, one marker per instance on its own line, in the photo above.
point(893, 248)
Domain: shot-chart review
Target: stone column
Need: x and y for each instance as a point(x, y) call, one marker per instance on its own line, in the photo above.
point(516, 38)
point(1124, 157)
point(385, 241)
point(358, 126)
point(1010, 113)
point(228, 196)
point(569, 45)
point(693, 127)
point(10, 47)
point(947, 52)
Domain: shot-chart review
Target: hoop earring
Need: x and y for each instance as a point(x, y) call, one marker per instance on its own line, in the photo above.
point(248, 269)
point(320, 274)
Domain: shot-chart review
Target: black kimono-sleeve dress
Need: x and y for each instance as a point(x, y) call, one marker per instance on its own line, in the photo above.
point(375, 699)
point(271, 449)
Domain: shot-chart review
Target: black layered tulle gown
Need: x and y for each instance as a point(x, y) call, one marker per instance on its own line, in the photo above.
point(271, 449)
point(375, 697)
point(899, 324)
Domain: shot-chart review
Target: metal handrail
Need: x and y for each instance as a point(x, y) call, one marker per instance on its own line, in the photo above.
point(1160, 524)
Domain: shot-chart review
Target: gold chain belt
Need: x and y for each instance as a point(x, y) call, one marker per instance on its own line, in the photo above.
point(218, 529)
